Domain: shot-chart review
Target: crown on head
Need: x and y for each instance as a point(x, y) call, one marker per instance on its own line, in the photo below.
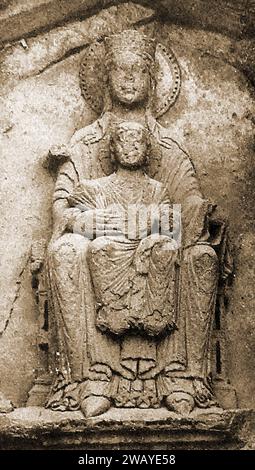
point(131, 41)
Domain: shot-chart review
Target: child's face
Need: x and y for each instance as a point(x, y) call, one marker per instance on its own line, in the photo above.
point(130, 145)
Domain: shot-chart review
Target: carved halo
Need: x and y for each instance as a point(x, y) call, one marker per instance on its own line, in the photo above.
point(93, 78)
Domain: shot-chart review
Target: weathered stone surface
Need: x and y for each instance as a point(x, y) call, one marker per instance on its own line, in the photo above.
point(37, 428)
point(213, 120)
point(233, 17)
point(22, 18)
point(29, 113)
point(4, 3)
point(36, 54)
point(229, 146)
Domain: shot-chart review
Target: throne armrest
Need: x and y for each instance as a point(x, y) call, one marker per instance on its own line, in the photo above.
point(56, 156)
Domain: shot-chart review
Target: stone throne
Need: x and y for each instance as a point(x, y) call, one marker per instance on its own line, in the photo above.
point(165, 91)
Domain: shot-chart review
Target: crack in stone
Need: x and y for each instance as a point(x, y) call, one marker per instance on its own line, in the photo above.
point(80, 14)
point(16, 295)
point(70, 53)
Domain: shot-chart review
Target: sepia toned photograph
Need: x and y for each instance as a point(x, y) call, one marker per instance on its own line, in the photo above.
point(127, 241)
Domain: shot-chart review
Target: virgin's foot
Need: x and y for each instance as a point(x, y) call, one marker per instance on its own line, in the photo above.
point(94, 406)
point(180, 402)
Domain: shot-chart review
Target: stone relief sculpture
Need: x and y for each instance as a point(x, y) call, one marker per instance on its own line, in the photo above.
point(131, 315)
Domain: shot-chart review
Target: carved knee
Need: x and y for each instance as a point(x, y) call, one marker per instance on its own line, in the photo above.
point(204, 262)
point(67, 247)
point(164, 253)
point(203, 254)
point(161, 249)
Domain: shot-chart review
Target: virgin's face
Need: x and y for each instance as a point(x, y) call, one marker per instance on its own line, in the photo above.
point(129, 80)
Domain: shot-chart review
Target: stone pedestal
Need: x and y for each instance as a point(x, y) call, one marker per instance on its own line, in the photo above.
point(123, 429)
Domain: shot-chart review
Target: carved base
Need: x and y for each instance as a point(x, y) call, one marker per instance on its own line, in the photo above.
point(39, 393)
point(6, 406)
point(224, 392)
point(38, 428)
